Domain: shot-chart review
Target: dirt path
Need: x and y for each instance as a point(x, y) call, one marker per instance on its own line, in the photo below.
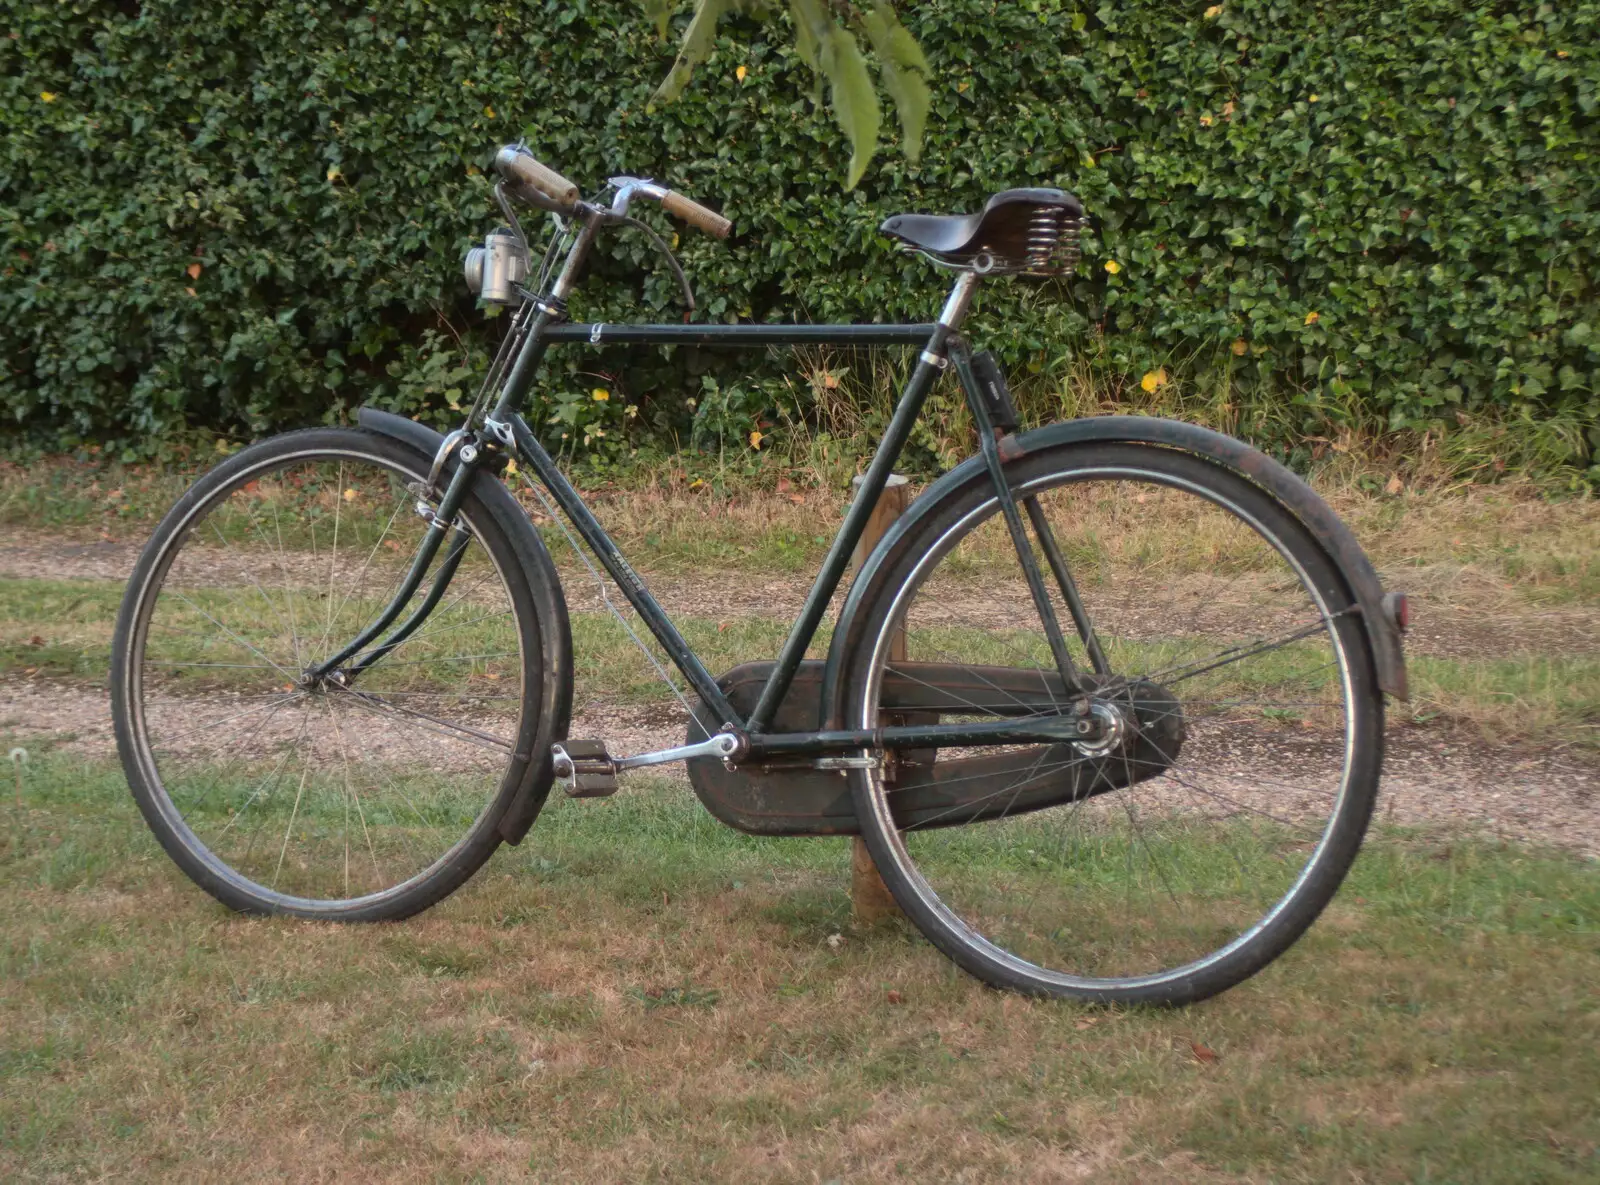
point(1450, 620)
point(1430, 776)
point(1449, 782)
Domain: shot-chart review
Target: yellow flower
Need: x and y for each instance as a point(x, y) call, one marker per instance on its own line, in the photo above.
point(1113, 267)
point(1239, 346)
point(1205, 121)
point(48, 96)
point(600, 394)
point(756, 438)
point(489, 111)
point(1153, 379)
point(350, 495)
point(1313, 98)
point(1313, 318)
point(1213, 12)
point(740, 73)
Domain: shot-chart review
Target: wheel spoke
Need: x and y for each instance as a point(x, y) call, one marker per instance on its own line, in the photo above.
point(1230, 689)
point(322, 812)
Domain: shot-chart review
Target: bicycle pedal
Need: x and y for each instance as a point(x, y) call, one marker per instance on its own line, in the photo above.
point(586, 767)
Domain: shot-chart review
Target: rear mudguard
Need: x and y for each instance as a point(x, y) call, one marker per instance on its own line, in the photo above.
point(1224, 451)
point(555, 633)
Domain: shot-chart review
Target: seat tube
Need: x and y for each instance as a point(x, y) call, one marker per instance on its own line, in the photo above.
point(930, 365)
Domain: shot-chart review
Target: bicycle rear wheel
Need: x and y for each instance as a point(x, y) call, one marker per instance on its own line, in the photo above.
point(359, 799)
point(1230, 652)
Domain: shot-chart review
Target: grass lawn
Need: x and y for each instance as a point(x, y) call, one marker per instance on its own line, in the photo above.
point(637, 993)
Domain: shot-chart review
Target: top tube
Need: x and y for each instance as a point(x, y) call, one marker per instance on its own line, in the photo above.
point(739, 335)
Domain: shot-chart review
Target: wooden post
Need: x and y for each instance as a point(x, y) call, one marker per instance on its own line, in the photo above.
point(870, 898)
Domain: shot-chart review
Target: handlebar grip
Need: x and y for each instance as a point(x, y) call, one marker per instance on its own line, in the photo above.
point(520, 167)
point(696, 215)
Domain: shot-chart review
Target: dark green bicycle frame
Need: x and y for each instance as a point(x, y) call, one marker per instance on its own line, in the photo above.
point(941, 348)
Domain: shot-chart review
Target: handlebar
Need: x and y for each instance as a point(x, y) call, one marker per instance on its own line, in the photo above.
point(543, 186)
point(695, 214)
point(520, 168)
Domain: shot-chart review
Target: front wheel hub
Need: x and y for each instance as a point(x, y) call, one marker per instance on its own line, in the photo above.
point(313, 680)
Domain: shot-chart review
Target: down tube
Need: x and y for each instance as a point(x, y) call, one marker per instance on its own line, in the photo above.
point(660, 625)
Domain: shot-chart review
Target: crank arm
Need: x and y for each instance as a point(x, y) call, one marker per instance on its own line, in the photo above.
point(575, 757)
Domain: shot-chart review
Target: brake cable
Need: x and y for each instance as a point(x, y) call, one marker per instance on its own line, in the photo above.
point(611, 219)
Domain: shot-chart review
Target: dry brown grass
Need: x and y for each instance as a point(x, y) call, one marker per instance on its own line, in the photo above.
point(639, 995)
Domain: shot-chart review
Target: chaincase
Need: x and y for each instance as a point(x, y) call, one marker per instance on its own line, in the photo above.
point(792, 797)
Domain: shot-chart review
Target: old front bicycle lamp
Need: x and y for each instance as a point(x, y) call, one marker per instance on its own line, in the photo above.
point(495, 269)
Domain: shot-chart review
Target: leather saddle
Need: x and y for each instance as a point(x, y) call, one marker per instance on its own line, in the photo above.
point(1019, 230)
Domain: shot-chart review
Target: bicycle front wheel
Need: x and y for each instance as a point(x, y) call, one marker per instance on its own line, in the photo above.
point(366, 796)
point(1173, 860)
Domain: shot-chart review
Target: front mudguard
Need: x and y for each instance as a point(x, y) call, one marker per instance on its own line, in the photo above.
point(1224, 451)
point(555, 632)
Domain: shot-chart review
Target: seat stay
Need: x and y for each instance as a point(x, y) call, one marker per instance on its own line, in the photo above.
point(962, 358)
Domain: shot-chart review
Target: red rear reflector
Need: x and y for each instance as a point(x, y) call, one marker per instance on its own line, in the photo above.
point(1398, 608)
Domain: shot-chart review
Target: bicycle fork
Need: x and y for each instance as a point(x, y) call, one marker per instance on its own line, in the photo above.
point(441, 523)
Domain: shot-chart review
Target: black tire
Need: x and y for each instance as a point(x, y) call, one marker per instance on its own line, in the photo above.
point(1322, 754)
point(411, 770)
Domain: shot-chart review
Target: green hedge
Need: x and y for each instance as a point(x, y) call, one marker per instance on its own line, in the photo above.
point(251, 214)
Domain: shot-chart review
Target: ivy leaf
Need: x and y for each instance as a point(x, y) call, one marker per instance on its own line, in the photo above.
point(904, 69)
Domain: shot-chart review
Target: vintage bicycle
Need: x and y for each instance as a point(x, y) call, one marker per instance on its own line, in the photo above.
point(1106, 703)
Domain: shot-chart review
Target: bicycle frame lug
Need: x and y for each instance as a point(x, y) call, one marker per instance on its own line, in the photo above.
point(501, 431)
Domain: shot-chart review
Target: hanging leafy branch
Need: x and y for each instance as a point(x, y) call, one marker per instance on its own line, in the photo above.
point(823, 38)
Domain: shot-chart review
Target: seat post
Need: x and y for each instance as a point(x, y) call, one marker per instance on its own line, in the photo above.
point(955, 308)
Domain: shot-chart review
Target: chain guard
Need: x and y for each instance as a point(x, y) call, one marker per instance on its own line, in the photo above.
point(795, 798)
